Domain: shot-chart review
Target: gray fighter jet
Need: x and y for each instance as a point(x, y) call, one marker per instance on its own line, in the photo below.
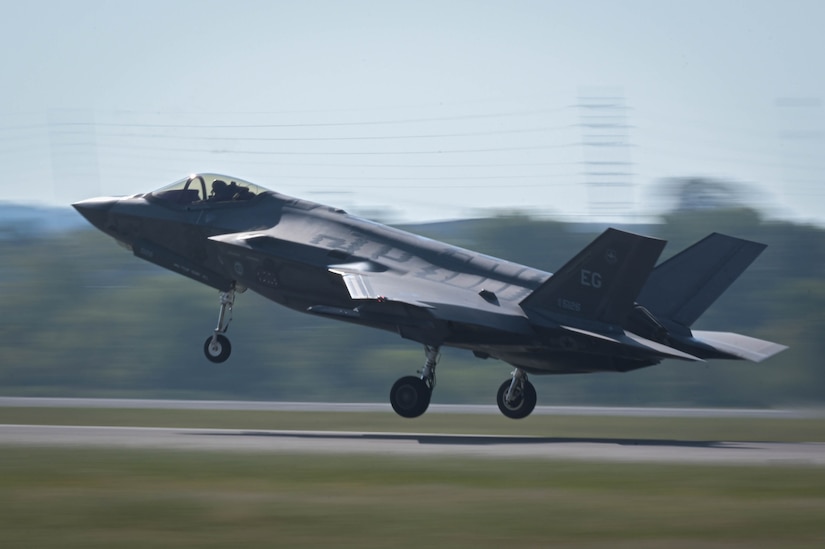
point(607, 309)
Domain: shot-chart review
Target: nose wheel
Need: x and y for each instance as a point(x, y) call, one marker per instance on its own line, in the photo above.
point(217, 348)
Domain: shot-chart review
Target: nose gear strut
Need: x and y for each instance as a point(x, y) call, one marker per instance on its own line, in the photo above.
point(217, 347)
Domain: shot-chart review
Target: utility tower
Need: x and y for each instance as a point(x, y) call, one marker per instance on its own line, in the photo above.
point(608, 171)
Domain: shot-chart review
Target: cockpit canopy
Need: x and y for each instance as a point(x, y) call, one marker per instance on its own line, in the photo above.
point(208, 188)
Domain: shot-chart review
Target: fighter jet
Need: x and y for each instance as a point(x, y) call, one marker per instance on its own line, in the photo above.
point(608, 309)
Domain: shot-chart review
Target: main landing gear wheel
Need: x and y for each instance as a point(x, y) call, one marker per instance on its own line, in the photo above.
point(410, 396)
point(217, 348)
point(517, 397)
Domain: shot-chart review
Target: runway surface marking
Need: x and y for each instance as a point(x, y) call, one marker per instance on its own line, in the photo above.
point(405, 444)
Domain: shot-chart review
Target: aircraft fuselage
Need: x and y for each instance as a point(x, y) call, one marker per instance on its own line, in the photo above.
point(321, 260)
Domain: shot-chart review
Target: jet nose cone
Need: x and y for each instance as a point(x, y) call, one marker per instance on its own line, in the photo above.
point(96, 210)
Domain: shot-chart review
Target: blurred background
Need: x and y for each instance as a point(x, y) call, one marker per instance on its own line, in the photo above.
point(519, 129)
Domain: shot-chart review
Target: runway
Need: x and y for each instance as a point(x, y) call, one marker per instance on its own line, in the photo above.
point(482, 409)
point(416, 445)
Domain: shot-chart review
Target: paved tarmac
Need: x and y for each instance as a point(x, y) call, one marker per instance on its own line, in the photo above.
point(405, 444)
point(417, 445)
point(157, 404)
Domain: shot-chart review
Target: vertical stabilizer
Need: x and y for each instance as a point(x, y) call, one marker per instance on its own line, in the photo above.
point(683, 287)
point(601, 282)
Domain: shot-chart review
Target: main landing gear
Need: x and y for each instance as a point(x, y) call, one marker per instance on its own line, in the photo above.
point(217, 347)
point(516, 398)
point(410, 395)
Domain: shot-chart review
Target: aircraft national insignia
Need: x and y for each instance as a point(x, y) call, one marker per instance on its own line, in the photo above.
point(611, 257)
point(585, 317)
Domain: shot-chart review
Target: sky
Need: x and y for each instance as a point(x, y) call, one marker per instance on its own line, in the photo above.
point(422, 110)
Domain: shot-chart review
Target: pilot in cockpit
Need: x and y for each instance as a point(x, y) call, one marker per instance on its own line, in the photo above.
point(222, 192)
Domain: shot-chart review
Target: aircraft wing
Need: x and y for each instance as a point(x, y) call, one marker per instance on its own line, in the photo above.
point(363, 284)
point(389, 296)
point(441, 302)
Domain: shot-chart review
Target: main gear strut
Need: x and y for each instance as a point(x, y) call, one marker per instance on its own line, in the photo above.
point(410, 395)
point(516, 397)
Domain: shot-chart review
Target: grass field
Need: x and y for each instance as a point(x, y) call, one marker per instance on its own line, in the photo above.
point(81, 498)
point(85, 498)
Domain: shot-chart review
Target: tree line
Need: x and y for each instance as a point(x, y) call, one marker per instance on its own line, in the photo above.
point(82, 317)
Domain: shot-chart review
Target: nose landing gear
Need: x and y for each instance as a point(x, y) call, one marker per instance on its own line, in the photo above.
point(217, 348)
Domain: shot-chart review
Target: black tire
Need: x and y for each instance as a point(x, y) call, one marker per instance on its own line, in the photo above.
point(410, 396)
point(219, 351)
point(524, 403)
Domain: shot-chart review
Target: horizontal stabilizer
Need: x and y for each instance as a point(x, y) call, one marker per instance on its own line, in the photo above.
point(633, 341)
point(601, 282)
point(663, 350)
point(738, 345)
point(683, 287)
